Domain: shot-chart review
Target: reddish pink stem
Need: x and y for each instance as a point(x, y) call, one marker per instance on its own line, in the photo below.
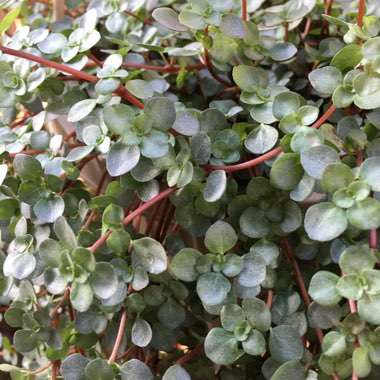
point(119, 337)
point(134, 214)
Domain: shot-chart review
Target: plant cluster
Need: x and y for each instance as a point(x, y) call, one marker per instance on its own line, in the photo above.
point(232, 232)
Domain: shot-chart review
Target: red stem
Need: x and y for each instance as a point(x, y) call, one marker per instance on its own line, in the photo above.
point(244, 10)
point(60, 303)
point(190, 354)
point(164, 69)
point(152, 218)
point(119, 337)
point(121, 91)
point(135, 213)
point(288, 249)
point(361, 13)
point(210, 68)
point(270, 154)
point(373, 239)
point(147, 22)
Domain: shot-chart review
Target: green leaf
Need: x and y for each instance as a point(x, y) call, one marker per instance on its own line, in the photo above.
point(232, 26)
point(169, 18)
point(154, 145)
point(53, 43)
point(361, 362)
point(161, 112)
point(122, 158)
point(119, 241)
point(261, 139)
point(356, 259)
point(8, 19)
point(171, 314)
point(255, 344)
point(286, 103)
point(334, 344)
point(248, 78)
point(253, 223)
point(370, 172)
point(254, 271)
point(200, 145)
point(257, 313)
point(315, 160)
point(27, 167)
point(221, 347)
point(183, 263)
point(24, 340)
point(64, 232)
point(118, 118)
point(99, 369)
point(192, 20)
point(220, 237)
point(81, 109)
point(81, 296)
point(14, 317)
point(186, 123)
point(231, 315)
point(368, 307)
point(136, 370)
point(322, 288)
point(103, 280)
point(348, 287)
point(305, 138)
point(139, 88)
point(212, 288)
point(73, 367)
point(324, 221)
point(286, 172)
point(283, 51)
point(292, 370)
point(336, 176)
point(113, 216)
point(49, 210)
point(176, 372)
point(8, 208)
point(365, 215)
point(285, 344)
point(141, 333)
point(19, 265)
point(326, 80)
point(323, 317)
point(149, 254)
point(216, 185)
point(54, 282)
point(348, 57)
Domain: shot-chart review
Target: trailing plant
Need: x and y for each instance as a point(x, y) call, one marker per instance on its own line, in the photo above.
point(232, 229)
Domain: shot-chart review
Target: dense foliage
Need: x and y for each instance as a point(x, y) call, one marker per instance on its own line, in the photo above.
point(231, 230)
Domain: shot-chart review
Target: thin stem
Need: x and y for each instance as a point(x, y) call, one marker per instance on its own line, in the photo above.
point(41, 369)
point(301, 284)
point(147, 22)
point(361, 13)
point(190, 354)
point(60, 303)
point(121, 91)
point(58, 10)
point(373, 239)
point(28, 152)
point(244, 10)
point(211, 70)
point(270, 154)
point(166, 226)
point(270, 298)
point(164, 69)
point(135, 213)
point(119, 337)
